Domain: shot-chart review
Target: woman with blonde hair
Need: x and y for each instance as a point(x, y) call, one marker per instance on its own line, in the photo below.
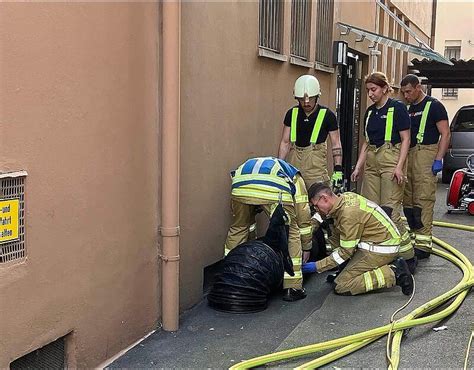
point(383, 155)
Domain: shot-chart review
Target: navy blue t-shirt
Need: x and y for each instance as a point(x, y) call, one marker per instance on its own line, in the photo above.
point(306, 124)
point(436, 113)
point(376, 125)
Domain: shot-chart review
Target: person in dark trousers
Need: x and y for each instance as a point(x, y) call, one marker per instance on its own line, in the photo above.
point(430, 136)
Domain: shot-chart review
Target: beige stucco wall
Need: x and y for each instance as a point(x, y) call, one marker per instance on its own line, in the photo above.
point(78, 111)
point(418, 12)
point(460, 14)
point(361, 14)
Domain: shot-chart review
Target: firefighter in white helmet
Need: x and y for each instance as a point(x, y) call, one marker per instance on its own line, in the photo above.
point(305, 131)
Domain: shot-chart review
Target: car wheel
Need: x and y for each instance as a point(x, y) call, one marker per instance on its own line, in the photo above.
point(446, 176)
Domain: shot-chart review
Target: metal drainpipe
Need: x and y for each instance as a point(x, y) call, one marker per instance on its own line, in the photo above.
point(170, 165)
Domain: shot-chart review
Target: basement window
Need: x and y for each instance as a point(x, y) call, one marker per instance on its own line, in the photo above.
point(51, 356)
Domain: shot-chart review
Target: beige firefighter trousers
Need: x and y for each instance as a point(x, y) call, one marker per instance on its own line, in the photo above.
point(243, 215)
point(311, 161)
point(366, 271)
point(379, 187)
point(420, 191)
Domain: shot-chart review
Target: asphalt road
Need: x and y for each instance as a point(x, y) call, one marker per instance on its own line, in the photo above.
point(211, 339)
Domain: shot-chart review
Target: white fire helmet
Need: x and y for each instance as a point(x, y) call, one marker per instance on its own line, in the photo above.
point(306, 85)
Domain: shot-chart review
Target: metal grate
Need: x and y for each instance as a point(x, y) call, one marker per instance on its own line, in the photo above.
point(300, 28)
point(270, 24)
point(51, 357)
point(324, 28)
point(14, 188)
point(450, 92)
point(452, 52)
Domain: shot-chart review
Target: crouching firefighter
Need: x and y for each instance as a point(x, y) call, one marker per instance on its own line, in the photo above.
point(266, 182)
point(368, 239)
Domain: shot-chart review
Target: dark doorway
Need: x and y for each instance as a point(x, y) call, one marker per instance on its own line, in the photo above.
point(348, 100)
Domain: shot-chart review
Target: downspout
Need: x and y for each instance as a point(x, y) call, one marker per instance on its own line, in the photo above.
point(434, 8)
point(170, 164)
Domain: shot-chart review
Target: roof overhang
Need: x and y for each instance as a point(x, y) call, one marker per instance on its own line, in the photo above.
point(384, 40)
point(438, 75)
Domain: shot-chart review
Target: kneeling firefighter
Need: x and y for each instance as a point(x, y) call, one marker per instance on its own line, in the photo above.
point(264, 183)
point(368, 239)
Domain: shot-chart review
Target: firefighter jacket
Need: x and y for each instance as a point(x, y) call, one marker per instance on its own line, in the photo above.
point(362, 224)
point(268, 180)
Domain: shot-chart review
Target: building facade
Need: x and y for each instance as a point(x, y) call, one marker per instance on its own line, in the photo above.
point(455, 40)
point(81, 120)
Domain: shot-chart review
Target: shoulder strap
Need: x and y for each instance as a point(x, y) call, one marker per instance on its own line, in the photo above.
point(424, 117)
point(366, 124)
point(389, 125)
point(317, 125)
point(294, 122)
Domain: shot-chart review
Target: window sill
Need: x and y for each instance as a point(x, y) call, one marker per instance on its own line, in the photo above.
point(323, 68)
point(272, 55)
point(300, 62)
point(449, 98)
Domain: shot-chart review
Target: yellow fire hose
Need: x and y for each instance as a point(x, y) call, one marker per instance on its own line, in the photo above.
point(354, 342)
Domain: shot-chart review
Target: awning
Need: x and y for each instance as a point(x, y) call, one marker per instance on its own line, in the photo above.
point(459, 75)
point(384, 40)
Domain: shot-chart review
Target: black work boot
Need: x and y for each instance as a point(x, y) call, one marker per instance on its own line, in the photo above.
point(331, 277)
point(402, 275)
point(293, 294)
point(422, 254)
point(412, 263)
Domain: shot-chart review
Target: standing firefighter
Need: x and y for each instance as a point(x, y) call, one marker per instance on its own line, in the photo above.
point(305, 131)
point(384, 156)
point(265, 182)
point(368, 239)
point(429, 121)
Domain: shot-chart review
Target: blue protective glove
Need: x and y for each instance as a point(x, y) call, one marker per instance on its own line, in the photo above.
point(308, 267)
point(437, 166)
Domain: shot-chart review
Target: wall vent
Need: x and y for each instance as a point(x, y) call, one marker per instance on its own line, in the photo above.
point(51, 357)
point(12, 186)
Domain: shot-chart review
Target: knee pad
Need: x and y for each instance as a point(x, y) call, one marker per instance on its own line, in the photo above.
point(409, 215)
point(388, 210)
point(417, 218)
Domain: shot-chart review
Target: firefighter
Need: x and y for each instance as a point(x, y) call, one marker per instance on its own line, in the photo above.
point(369, 241)
point(429, 122)
point(305, 131)
point(264, 183)
point(383, 156)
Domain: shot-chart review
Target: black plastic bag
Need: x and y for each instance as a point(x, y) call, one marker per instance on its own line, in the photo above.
point(253, 270)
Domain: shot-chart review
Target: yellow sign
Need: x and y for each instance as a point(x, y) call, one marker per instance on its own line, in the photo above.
point(9, 217)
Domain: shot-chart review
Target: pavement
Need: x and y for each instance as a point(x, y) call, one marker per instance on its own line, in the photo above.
point(212, 339)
